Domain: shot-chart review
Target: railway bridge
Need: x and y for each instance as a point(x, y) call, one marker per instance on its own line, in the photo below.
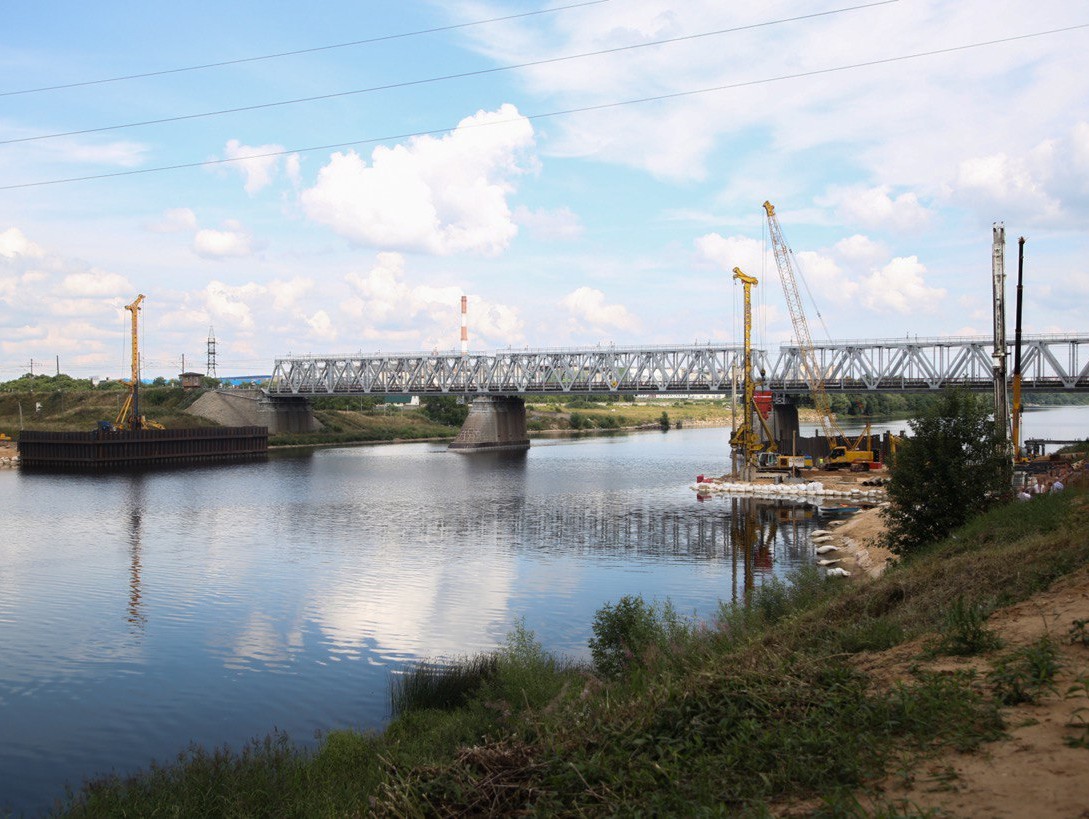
point(499, 382)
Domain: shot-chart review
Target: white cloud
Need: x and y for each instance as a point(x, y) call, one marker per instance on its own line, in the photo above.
point(899, 287)
point(731, 252)
point(437, 195)
point(232, 304)
point(13, 242)
point(321, 326)
point(562, 223)
point(589, 311)
point(385, 306)
point(258, 163)
point(96, 284)
point(859, 249)
point(286, 294)
point(875, 208)
point(222, 244)
point(176, 220)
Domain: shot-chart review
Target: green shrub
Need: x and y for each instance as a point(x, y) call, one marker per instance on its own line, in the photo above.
point(625, 632)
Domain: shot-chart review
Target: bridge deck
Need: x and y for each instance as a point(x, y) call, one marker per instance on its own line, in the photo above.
point(1049, 364)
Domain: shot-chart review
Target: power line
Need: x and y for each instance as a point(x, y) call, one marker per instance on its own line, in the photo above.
point(241, 60)
point(444, 77)
point(563, 112)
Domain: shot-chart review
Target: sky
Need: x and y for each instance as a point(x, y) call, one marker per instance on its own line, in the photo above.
point(332, 179)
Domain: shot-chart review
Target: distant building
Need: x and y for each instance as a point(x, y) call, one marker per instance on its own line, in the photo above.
point(192, 381)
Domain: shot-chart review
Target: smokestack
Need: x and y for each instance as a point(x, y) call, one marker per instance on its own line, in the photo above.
point(464, 325)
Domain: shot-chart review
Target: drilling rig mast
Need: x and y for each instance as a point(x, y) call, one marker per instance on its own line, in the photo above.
point(744, 439)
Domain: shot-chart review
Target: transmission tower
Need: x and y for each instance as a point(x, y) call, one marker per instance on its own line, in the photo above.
point(210, 367)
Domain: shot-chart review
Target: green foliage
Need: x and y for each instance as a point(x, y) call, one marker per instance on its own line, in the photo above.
point(579, 421)
point(441, 686)
point(964, 630)
point(949, 470)
point(1026, 674)
point(663, 421)
point(1079, 634)
point(625, 632)
point(445, 410)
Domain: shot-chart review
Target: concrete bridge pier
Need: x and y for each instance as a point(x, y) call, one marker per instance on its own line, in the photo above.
point(494, 422)
point(247, 408)
point(784, 424)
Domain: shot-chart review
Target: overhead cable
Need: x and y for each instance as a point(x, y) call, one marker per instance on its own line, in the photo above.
point(241, 60)
point(559, 113)
point(444, 78)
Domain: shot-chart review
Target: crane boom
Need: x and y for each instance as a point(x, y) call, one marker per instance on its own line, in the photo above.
point(843, 451)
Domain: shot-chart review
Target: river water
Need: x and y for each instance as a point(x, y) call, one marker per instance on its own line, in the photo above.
point(142, 612)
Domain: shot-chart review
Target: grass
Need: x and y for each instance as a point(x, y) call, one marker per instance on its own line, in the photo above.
point(757, 710)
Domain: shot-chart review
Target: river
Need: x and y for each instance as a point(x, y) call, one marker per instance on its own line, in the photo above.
point(142, 612)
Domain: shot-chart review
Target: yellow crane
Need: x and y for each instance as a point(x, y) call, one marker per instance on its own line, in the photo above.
point(744, 438)
point(843, 452)
point(129, 417)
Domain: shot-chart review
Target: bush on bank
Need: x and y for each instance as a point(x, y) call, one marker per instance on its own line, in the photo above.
point(759, 707)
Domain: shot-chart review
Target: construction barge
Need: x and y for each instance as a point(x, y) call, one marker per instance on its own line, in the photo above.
point(112, 449)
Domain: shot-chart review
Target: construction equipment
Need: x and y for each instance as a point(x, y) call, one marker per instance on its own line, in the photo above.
point(744, 439)
point(843, 453)
point(1018, 456)
point(129, 417)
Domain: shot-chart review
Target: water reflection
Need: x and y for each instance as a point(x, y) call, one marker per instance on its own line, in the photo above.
point(135, 499)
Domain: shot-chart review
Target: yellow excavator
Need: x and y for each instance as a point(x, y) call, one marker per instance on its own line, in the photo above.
point(129, 417)
point(843, 453)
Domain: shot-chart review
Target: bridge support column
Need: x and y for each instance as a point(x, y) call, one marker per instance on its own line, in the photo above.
point(494, 422)
point(784, 424)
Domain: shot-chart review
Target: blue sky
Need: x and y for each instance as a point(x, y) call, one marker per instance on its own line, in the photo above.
point(618, 225)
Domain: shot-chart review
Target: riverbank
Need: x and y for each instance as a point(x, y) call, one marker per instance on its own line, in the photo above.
point(908, 692)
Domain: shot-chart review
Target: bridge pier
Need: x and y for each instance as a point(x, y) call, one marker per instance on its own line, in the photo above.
point(784, 424)
point(242, 408)
point(494, 422)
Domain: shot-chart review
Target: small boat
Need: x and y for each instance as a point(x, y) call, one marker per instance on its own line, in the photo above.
point(837, 511)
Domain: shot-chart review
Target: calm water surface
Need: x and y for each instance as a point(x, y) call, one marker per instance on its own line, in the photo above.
point(139, 613)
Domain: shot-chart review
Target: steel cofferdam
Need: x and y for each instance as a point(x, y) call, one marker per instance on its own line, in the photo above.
point(1050, 363)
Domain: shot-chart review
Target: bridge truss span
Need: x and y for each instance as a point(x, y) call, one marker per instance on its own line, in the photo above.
point(665, 370)
point(1049, 363)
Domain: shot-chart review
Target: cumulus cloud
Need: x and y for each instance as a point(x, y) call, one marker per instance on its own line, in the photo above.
point(13, 242)
point(899, 287)
point(1049, 183)
point(321, 326)
point(286, 294)
point(386, 306)
point(731, 252)
point(562, 223)
point(233, 242)
point(176, 220)
point(258, 163)
point(589, 311)
point(876, 208)
point(232, 304)
point(437, 195)
point(96, 284)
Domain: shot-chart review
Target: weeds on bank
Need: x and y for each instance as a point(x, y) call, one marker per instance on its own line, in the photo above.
point(1027, 674)
point(964, 631)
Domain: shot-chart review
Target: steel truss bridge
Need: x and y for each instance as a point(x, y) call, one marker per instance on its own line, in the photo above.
point(1049, 363)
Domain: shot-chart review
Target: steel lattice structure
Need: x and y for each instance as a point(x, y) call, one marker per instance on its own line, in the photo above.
point(1049, 363)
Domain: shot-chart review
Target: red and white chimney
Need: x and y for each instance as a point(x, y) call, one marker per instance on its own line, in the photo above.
point(464, 325)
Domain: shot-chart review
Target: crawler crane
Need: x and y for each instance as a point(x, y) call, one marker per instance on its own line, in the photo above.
point(843, 453)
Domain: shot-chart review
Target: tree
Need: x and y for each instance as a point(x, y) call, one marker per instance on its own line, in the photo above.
point(951, 468)
point(445, 410)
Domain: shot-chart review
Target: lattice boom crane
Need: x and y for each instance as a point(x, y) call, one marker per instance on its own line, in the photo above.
point(843, 452)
